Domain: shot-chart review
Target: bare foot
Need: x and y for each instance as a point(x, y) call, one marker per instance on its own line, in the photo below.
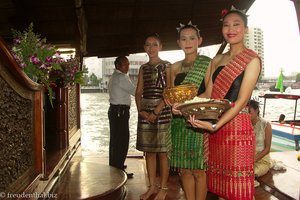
point(151, 190)
point(162, 193)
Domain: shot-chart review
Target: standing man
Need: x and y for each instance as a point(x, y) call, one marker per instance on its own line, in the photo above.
point(120, 88)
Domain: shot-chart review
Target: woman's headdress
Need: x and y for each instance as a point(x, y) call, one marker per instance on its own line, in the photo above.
point(225, 11)
point(190, 24)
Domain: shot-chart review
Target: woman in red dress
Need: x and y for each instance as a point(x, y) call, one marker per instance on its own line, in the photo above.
point(233, 76)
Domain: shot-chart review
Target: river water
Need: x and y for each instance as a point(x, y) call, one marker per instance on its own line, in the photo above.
point(95, 124)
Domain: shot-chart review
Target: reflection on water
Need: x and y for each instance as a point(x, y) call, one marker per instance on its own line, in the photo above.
point(95, 124)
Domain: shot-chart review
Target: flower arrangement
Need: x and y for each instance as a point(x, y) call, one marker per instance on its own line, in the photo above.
point(34, 56)
point(69, 73)
point(43, 63)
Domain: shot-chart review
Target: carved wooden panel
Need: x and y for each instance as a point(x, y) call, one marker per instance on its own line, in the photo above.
point(20, 126)
point(17, 153)
point(73, 111)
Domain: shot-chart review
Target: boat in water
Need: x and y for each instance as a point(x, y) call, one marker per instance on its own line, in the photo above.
point(287, 131)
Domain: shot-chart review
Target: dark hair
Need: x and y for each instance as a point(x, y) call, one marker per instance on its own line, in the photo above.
point(241, 14)
point(281, 118)
point(189, 26)
point(153, 35)
point(254, 104)
point(119, 60)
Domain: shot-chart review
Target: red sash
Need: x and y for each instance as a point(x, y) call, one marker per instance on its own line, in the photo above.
point(230, 72)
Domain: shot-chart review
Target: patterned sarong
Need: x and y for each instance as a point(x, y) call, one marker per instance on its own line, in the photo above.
point(154, 137)
point(188, 144)
point(231, 148)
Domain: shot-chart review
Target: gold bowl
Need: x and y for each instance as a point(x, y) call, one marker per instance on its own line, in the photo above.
point(180, 93)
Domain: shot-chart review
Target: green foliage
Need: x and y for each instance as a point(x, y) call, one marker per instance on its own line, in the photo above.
point(94, 81)
point(86, 80)
point(298, 77)
point(35, 57)
point(69, 74)
point(42, 62)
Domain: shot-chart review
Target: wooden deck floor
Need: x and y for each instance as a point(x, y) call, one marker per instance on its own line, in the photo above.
point(88, 181)
point(284, 184)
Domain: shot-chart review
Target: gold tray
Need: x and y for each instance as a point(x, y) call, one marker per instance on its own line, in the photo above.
point(208, 110)
point(180, 93)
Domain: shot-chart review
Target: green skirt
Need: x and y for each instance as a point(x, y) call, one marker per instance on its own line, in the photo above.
point(187, 146)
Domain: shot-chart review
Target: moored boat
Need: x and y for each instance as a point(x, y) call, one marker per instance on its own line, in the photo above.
point(295, 85)
point(288, 129)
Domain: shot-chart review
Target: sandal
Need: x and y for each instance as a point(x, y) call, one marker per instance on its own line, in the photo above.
point(162, 193)
point(152, 189)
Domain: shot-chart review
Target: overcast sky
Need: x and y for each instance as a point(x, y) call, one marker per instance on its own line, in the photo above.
point(278, 20)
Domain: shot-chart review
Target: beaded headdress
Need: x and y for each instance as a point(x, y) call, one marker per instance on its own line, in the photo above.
point(225, 11)
point(181, 26)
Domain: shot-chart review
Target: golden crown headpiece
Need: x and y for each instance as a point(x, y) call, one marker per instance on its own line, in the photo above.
point(181, 26)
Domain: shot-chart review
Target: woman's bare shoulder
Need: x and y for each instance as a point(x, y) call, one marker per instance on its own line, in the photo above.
point(176, 65)
point(217, 60)
point(255, 63)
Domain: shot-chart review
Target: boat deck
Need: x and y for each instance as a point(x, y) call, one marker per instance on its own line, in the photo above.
point(285, 184)
point(91, 178)
point(287, 131)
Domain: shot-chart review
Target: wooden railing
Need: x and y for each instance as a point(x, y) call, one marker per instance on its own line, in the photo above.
point(21, 125)
point(37, 140)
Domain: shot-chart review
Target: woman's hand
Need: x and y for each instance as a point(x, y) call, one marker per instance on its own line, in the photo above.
point(152, 117)
point(168, 102)
point(175, 110)
point(200, 124)
point(144, 115)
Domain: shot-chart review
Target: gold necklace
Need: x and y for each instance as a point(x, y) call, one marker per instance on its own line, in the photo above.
point(185, 67)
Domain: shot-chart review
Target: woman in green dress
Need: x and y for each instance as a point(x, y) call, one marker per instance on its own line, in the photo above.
point(187, 154)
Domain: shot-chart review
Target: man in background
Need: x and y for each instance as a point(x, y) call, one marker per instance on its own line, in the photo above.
point(120, 89)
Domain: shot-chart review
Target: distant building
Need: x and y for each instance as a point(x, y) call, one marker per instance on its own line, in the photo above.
point(255, 41)
point(135, 61)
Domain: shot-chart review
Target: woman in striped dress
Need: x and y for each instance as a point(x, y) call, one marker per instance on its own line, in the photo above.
point(153, 131)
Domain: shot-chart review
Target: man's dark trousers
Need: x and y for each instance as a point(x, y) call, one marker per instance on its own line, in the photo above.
point(119, 134)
